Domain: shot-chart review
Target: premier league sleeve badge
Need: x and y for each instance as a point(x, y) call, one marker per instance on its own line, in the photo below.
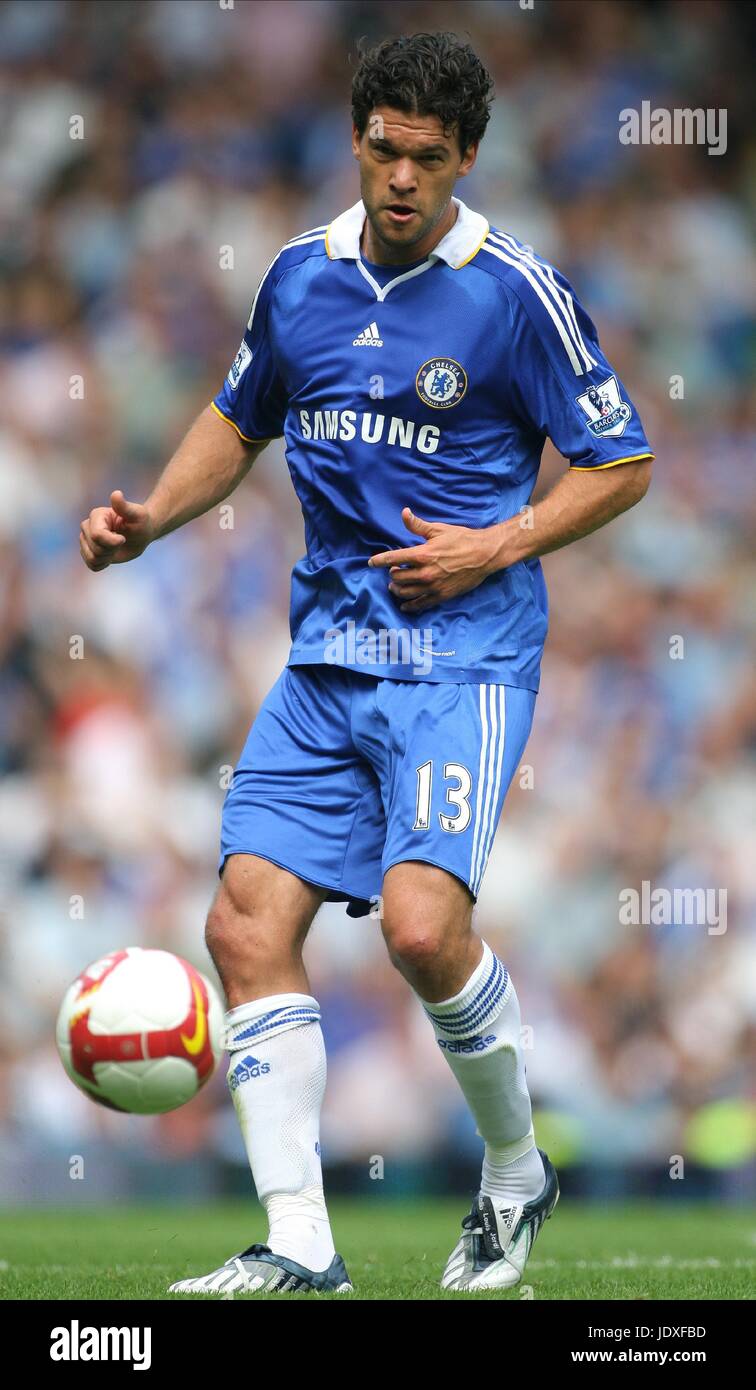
point(607, 413)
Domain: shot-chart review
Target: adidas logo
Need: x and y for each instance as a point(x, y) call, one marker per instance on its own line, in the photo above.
point(476, 1044)
point(248, 1068)
point(369, 337)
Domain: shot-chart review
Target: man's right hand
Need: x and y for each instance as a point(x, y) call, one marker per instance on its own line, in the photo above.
point(111, 535)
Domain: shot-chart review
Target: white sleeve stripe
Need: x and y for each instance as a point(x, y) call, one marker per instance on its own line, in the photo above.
point(309, 232)
point(547, 303)
point(553, 299)
point(562, 296)
point(569, 304)
point(251, 318)
point(317, 234)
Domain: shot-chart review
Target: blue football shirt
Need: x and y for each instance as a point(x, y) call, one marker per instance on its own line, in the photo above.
point(432, 387)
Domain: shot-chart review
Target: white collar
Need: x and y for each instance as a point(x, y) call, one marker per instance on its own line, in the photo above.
point(456, 248)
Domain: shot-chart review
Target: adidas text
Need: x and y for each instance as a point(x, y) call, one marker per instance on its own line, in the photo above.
point(468, 1044)
point(247, 1070)
point(369, 337)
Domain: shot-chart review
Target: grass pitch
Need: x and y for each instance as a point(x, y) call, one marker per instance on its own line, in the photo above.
point(393, 1250)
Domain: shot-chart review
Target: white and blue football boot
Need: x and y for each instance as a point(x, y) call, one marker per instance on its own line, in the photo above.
point(497, 1238)
point(258, 1270)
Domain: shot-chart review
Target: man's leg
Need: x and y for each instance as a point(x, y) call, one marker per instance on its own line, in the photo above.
point(304, 808)
point(445, 755)
point(255, 932)
point(471, 1001)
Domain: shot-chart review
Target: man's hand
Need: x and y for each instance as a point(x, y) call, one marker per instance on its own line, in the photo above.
point(453, 560)
point(111, 535)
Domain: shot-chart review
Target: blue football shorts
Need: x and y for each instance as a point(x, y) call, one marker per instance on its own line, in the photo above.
point(344, 774)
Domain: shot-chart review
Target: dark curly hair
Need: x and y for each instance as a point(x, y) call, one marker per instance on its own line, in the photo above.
point(430, 74)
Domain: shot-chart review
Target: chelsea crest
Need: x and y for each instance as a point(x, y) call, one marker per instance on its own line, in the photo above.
point(441, 382)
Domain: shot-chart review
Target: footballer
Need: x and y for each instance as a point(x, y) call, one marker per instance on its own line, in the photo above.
point(414, 359)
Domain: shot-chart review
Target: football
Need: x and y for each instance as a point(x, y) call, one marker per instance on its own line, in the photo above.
point(140, 1031)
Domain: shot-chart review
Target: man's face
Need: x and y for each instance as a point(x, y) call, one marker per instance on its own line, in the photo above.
point(408, 168)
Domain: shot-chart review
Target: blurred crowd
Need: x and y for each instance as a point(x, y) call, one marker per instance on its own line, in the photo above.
point(139, 141)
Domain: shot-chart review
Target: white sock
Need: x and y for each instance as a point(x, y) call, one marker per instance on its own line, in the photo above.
point(478, 1031)
point(518, 1178)
point(277, 1076)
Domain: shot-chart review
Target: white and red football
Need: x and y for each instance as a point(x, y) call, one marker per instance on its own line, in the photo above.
point(140, 1031)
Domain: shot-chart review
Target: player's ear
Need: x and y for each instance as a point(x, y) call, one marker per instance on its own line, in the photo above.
point(468, 159)
point(355, 142)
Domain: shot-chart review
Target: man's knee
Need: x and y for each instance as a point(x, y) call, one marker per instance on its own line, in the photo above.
point(413, 943)
point(260, 912)
point(246, 930)
point(420, 928)
point(221, 922)
point(427, 925)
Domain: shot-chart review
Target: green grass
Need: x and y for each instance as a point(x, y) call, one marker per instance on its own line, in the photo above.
point(393, 1250)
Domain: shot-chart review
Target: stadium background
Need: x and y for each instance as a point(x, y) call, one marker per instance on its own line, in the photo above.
point(206, 129)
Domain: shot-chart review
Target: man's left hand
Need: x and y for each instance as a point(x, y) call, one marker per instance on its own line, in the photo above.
point(452, 560)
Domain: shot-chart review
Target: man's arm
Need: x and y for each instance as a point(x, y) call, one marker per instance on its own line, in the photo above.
point(455, 559)
point(209, 463)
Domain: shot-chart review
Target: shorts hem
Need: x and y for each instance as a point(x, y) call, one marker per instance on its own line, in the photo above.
point(346, 894)
point(435, 863)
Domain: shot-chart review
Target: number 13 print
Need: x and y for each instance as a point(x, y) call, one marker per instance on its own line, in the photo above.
point(458, 796)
